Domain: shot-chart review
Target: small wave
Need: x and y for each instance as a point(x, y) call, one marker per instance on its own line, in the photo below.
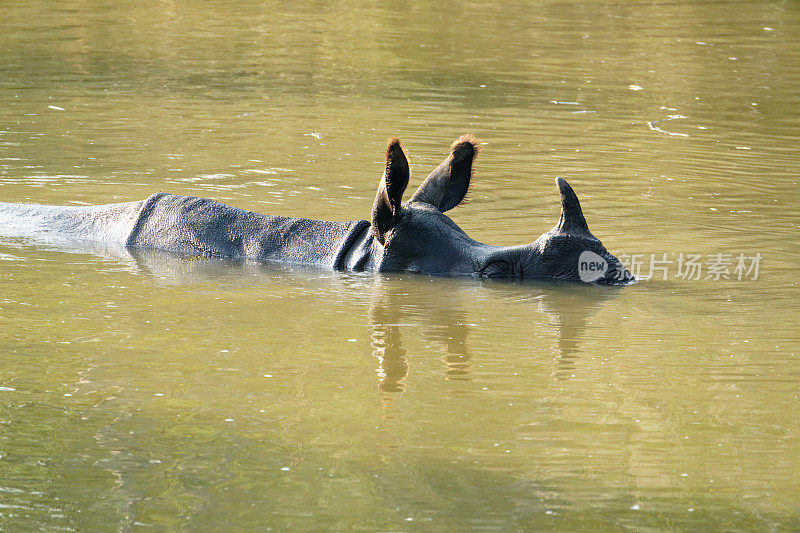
point(654, 125)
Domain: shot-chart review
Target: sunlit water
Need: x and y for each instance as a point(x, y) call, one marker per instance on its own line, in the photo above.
point(151, 390)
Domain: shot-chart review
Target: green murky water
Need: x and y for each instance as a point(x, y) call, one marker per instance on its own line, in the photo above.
point(156, 391)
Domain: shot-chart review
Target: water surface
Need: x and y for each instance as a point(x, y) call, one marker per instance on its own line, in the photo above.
point(143, 389)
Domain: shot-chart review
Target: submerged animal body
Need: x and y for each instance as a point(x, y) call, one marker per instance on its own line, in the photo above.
point(415, 236)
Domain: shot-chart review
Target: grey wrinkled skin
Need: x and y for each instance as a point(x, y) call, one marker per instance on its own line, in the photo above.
point(415, 236)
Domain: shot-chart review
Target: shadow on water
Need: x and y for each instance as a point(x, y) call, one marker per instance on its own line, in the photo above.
point(444, 307)
point(440, 309)
point(445, 324)
point(308, 420)
point(570, 309)
point(402, 310)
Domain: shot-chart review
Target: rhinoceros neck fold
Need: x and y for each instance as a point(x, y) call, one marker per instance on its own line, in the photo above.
point(198, 226)
point(356, 249)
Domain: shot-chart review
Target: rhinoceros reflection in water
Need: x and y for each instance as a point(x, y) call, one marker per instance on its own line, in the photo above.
point(407, 320)
point(415, 236)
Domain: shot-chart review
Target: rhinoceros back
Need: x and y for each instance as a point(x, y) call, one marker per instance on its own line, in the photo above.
point(186, 225)
point(199, 226)
point(109, 224)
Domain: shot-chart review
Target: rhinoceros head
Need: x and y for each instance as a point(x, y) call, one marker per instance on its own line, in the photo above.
point(417, 236)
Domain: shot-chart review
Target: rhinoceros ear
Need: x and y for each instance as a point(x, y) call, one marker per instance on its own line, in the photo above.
point(446, 186)
point(386, 209)
point(571, 221)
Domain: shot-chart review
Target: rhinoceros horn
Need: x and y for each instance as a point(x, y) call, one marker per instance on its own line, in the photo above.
point(572, 221)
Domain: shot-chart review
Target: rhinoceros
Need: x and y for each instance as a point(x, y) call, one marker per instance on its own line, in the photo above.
point(415, 236)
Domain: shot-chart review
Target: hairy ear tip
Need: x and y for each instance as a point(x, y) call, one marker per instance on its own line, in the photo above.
point(467, 144)
point(395, 147)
